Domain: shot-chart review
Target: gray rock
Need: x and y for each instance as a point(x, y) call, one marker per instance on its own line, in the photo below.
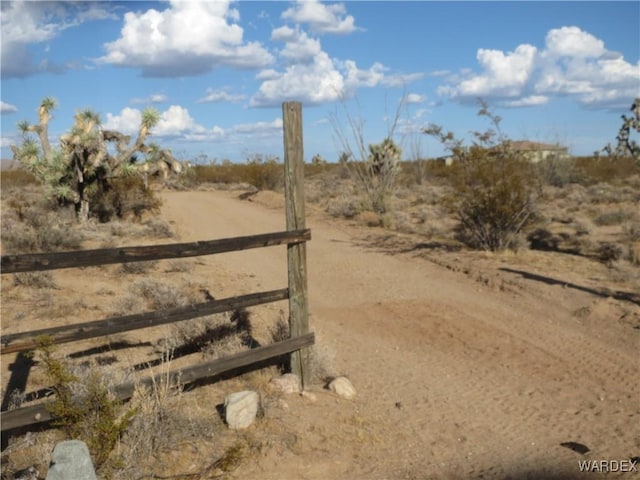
point(70, 460)
point(343, 387)
point(287, 383)
point(241, 409)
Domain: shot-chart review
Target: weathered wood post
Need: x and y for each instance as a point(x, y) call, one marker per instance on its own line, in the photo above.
point(296, 253)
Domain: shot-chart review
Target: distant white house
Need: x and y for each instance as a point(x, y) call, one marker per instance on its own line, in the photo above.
point(533, 151)
point(537, 152)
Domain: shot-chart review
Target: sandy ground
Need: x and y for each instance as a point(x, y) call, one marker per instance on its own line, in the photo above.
point(456, 377)
point(468, 365)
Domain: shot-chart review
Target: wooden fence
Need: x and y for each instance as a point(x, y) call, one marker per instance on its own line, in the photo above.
point(295, 238)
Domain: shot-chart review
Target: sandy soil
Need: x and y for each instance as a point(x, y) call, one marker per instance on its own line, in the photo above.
point(458, 375)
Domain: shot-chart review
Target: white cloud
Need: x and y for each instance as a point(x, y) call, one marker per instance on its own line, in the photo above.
point(28, 23)
point(530, 101)
point(128, 122)
point(320, 17)
point(311, 76)
point(154, 98)
point(213, 96)
point(356, 77)
point(7, 108)
point(414, 98)
point(7, 140)
point(573, 42)
point(177, 123)
point(174, 121)
point(188, 38)
point(402, 79)
point(268, 74)
point(259, 128)
point(313, 83)
point(503, 74)
point(299, 47)
point(573, 62)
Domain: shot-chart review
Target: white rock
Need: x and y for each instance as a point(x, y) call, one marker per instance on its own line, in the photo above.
point(71, 460)
point(287, 383)
point(241, 409)
point(343, 387)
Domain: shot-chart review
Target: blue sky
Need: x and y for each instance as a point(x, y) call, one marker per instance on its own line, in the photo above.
point(218, 71)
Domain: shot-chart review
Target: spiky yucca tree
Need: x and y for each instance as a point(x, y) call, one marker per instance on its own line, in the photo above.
point(83, 164)
point(374, 169)
point(626, 146)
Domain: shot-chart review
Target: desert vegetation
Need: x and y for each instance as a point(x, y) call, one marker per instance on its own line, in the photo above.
point(84, 171)
point(491, 206)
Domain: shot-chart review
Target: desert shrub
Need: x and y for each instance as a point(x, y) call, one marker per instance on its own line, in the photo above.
point(592, 170)
point(343, 206)
point(265, 172)
point(608, 253)
point(39, 230)
point(84, 408)
point(616, 217)
point(139, 267)
point(158, 228)
point(493, 191)
point(35, 280)
point(262, 171)
point(373, 167)
point(126, 197)
point(90, 162)
point(631, 231)
point(159, 295)
point(557, 172)
point(16, 178)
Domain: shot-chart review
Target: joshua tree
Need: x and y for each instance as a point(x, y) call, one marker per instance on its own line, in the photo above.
point(83, 163)
point(374, 169)
point(626, 146)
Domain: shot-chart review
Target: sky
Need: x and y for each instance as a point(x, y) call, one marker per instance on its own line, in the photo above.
point(218, 71)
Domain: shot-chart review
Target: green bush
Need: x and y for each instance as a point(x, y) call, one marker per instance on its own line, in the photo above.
point(492, 199)
point(84, 409)
point(126, 197)
point(493, 187)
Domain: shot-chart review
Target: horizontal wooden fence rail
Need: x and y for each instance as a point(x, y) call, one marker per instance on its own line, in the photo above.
point(30, 262)
point(39, 413)
point(20, 342)
point(295, 237)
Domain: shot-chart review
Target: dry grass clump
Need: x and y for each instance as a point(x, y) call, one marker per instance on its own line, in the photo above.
point(34, 229)
point(159, 295)
point(139, 268)
point(158, 228)
point(616, 217)
point(43, 280)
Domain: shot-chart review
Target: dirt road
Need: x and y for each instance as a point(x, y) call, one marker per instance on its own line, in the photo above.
point(454, 380)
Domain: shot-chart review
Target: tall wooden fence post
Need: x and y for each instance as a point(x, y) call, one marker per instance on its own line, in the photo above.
point(296, 253)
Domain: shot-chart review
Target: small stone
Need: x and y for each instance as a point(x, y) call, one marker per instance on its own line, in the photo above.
point(241, 409)
point(343, 387)
point(308, 396)
point(71, 460)
point(287, 383)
